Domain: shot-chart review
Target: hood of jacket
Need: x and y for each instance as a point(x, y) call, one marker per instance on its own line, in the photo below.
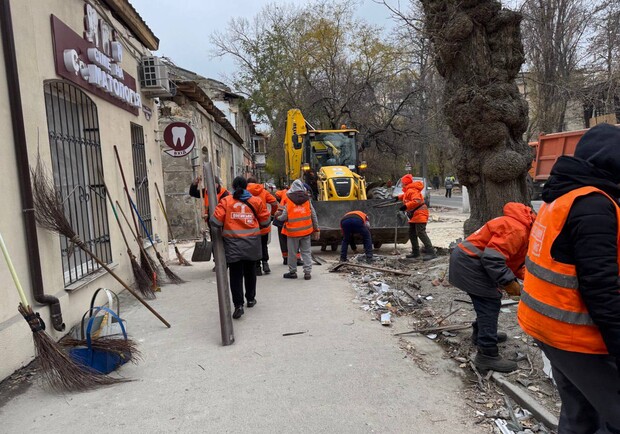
point(255, 189)
point(414, 185)
point(407, 179)
point(297, 193)
point(596, 163)
point(520, 212)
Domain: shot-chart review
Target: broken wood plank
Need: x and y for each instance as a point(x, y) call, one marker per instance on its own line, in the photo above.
point(452, 327)
point(369, 267)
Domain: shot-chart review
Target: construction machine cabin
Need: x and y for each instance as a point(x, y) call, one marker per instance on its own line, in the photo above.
point(328, 161)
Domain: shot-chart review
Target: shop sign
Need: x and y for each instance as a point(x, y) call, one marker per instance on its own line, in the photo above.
point(93, 62)
point(180, 138)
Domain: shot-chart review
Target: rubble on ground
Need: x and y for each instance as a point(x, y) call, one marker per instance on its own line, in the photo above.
point(428, 304)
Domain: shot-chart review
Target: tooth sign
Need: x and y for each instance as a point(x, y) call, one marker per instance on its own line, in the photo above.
point(178, 136)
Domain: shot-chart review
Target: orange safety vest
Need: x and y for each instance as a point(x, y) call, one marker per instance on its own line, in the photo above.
point(359, 214)
point(299, 220)
point(237, 219)
point(551, 308)
point(219, 197)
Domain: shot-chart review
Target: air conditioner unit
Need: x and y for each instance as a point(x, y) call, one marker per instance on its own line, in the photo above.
point(154, 80)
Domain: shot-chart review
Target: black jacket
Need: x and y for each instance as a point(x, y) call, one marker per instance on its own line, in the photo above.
point(194, 192)
point(588, 239)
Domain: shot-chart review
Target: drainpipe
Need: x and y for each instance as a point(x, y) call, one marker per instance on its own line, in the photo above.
point(23, 166)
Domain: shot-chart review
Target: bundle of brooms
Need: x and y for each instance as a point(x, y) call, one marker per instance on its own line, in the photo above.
point(59, 371)
point(50, 214)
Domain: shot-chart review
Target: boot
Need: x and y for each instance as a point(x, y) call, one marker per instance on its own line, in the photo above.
point(413, 255)
point(238, 312)
point(266, 268)
point(429, 255)
point(501, 337)
point(285, 261)
point(290, 275)
point(488, 359)
point(259, 272)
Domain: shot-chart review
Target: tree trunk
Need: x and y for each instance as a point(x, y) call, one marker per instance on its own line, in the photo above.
point(478, 51)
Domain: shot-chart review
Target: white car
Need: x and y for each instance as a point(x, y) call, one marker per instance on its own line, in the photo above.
point(398, 189)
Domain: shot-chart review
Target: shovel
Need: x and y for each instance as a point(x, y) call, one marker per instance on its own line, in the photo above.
point(202, 249)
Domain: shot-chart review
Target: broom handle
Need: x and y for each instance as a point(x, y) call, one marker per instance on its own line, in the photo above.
point(9, 263)
point(120, 166)
point(163, 210)
point(131, 291)
point(146, 231)
point(141, 246)
point(118, 221)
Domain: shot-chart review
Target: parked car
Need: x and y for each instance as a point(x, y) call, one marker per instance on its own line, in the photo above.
point(398, 189)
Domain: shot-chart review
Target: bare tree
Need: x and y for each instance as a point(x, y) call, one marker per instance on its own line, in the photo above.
point(478, 51)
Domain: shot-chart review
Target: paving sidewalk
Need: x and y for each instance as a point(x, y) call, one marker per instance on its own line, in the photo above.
point(345, 375)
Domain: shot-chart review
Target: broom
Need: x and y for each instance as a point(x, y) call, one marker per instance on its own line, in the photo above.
point(50, 214)
point(147, 263)
point(143, 282)
point(108, 344)
point(182, 260)
point(59, 371)
point(172, 276)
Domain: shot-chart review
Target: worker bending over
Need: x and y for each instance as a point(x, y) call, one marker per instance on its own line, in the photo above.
point(355, 222)
point(491, 258)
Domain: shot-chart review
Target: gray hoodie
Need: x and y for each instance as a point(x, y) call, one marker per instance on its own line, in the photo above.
point(299, 195)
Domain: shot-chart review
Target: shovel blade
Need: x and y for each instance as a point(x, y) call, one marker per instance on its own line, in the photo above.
point(202, 251)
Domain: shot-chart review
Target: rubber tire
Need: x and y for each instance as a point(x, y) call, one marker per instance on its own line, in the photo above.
point(377, 245)
point(378, 193)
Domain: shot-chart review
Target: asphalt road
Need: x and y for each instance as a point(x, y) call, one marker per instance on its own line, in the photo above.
point(448, 202)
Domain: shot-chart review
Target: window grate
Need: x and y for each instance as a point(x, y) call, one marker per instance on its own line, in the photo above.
point(141, 184)
point(73, 129)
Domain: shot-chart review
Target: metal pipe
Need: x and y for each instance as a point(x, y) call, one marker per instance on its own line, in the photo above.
point(223, 299)
point(23, 167)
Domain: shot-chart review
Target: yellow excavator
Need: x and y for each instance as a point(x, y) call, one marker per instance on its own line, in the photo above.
point(328, 161)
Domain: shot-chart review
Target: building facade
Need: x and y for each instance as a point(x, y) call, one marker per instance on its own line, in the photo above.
point(78, 79)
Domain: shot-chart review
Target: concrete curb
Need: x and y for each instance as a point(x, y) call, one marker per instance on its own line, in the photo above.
point(526, 401)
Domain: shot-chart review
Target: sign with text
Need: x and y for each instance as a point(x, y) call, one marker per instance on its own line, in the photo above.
point(92, 62)
point(180, 138)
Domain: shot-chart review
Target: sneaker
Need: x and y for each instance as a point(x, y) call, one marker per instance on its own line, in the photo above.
point(259, 272)
point(413, 255)
point(290, 275)
point(429, 257)
point(343, 260)
point(238, 312)
point(251, 303)
point(266, 268)
point(369, 260)
point(307, 276)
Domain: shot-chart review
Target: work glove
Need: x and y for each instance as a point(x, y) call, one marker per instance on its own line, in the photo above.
point(396, 199)
point(403, 208)
point(316, 235)
point(513, 288)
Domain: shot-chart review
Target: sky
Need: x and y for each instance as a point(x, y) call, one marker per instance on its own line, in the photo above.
point(184, 27)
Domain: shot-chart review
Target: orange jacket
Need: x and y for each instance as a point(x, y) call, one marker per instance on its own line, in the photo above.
point(502, 243)
point(257, 190)
point(299, 220)
point(241, 227)
point(551, 307)
point(222, 193)
point(412, 198)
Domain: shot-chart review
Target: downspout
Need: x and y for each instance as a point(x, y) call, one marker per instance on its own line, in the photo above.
point(23, 166)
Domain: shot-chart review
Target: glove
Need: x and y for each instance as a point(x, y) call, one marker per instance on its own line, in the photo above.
point(396, 199)
point(403, 208)
point(316, 235)
point(513, 288)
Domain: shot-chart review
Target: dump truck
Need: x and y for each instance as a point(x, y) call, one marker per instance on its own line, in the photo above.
point(328, 161)
point(548, 149)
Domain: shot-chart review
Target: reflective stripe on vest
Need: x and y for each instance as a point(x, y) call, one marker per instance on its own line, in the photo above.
point(299, 220)
point(240, 232)
point(473, 250)
point(551, 308)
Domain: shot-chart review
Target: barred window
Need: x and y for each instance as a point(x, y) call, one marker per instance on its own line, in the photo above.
point(76, 165)
point(141, 184)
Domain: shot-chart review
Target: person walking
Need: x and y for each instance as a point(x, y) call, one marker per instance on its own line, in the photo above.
point(570, 303)
point(300, 223)
point(355, 222)
point(270, 202)
point(491, 259)
point(414, 205)
point(241, 216)
point(449, 184)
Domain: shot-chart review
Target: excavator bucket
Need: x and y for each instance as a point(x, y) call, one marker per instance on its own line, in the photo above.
point(384, 221)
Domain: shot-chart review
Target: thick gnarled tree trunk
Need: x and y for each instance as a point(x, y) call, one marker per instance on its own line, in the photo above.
point(478, 51)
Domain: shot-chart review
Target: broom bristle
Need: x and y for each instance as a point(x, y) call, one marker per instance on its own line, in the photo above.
point(108, 343)
point(144, 284)
point(182, 260)
point(172, 277)
point(149, 267)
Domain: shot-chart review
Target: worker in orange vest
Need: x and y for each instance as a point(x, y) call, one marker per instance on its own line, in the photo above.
point(414, 205)
point(300, 223)
point(570, 303)
point(282, 239)
point(270, 202)
point(355, 222)
point(195, 192)
point(241, 217)
point(489, 259)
